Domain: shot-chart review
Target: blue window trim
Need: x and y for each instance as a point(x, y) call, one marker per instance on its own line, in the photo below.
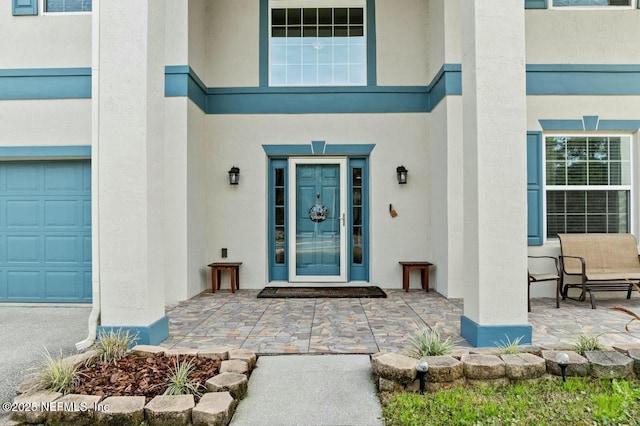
point(589, 123)
point(534, 189)
point(535, 4)
point(48, 152)
point(371, 44)
point(24, 7)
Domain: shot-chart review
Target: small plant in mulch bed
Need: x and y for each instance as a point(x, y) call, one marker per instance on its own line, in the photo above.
point(114, 344)
point(510, 347)
point(57, 375)
point(429, 342)
point(180, 382)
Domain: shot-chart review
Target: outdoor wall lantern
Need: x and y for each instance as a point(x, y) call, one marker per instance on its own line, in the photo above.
point(234, 176)
point(422, 367)
point(562, 359)
point(402, 175)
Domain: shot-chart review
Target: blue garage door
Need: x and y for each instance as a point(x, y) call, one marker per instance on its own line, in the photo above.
point(45, 231)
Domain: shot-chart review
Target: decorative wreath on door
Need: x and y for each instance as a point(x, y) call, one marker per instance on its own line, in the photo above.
point(318, 213)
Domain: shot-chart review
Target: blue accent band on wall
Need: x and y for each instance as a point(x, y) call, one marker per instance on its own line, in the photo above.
point(343, 149)
point(46, 83)
point(30, 152)
point(567, 79)
point(152, 334)
point(491, 335)
point(181, 80)
point(590, 123)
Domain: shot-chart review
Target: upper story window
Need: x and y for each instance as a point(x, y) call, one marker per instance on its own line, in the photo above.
point(62, 6)
point(588, 184)
point(590, 3)
point(317, 46)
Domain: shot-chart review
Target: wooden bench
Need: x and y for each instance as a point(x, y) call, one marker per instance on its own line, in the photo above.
point(424, 273)
point(234, 271)
point(604, 262)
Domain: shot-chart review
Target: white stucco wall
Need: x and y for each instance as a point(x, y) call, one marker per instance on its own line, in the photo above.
point(564, 36)
point(443, 37)
point(45, 122)
point(232, 43)
point(402, 32)
point(238, 214)
point(198, 23)
point(177, 32)
point(44, 41)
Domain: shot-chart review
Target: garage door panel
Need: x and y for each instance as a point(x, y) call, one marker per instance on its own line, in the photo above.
point(23, 249)
point(22, 178)
point(62, 284)
point(24, 285)
point(23, 213)
point(62, 249)
point(45, 231)
point(62, 213)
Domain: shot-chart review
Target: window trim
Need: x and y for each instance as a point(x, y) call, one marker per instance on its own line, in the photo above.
point(41, 5)
point(632, 187)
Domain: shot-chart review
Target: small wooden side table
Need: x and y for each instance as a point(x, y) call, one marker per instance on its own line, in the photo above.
point(424, 273)
point(234, 271)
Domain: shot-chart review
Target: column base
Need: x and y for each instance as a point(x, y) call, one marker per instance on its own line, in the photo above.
point(152, 334)
point(492, 335)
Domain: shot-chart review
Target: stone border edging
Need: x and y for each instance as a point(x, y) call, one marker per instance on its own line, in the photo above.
point(397, 373)
point(216, 406)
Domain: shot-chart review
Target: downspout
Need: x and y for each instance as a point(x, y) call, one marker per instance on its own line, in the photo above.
point(94, 316)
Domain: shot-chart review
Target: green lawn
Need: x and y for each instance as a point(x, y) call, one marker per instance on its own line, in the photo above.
point(550, 402)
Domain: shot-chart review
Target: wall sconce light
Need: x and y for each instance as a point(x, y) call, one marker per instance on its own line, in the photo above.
point(402, 175)
point(234, 176)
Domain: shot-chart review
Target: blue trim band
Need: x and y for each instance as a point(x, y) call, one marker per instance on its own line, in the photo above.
point(572, 79)
point(310, 149)
point(491, 335)
point(535, 4)
point(16, 152)
point(48, 83)
point(590, 123)
point(152, 334)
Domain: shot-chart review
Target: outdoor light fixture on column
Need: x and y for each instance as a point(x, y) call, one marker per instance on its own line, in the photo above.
point(422, 367)
point(234, 176)
point(562, 359)
point(402, 175)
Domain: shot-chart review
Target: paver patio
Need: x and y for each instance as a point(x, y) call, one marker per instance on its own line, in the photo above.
point(363, 326)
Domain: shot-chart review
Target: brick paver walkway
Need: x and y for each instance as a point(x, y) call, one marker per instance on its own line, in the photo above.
point(362, 326)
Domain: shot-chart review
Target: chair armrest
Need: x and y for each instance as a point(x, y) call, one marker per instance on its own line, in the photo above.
point(582, 262)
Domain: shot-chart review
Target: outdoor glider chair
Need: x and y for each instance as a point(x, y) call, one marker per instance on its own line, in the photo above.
point(600, 262)
point(541, 277)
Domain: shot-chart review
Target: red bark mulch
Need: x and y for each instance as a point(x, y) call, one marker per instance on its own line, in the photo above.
point(140, 375)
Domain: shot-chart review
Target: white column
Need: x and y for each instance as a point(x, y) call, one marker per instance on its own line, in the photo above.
point(494, 152)
point(129, 47)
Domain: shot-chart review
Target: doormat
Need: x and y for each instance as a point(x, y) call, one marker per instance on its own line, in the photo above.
point(313, 292)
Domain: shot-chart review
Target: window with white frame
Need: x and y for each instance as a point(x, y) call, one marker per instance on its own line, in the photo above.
point(590, 3)
point(63, 6)
point(316, 45)
point(588, 184)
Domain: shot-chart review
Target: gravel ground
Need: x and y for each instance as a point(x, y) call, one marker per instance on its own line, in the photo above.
point(26, 331)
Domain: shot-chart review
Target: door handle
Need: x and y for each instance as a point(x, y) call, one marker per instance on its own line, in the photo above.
point(343, 219)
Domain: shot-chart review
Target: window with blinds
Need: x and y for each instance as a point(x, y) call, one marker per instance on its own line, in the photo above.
point(588, 184)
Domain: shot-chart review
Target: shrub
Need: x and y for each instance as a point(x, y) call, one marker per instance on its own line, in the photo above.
point(510, 346)
point(57, 375)
point(114, 344)
point(587, 343)
point(429, 342)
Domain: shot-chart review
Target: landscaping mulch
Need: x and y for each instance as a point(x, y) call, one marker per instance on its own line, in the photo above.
point(140, 375)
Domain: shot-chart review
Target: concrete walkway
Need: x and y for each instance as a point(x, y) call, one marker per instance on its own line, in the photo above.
point(310, 390)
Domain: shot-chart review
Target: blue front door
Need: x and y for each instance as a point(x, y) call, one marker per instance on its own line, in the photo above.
point(319, 241)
